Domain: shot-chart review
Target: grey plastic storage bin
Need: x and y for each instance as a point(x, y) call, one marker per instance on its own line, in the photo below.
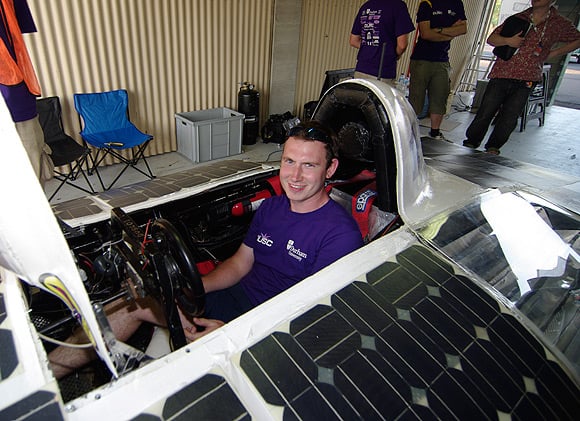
point(209, 134)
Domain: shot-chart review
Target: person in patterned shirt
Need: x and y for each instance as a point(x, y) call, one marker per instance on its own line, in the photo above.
point(511, 81)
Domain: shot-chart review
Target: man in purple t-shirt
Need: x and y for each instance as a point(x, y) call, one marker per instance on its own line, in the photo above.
point(290, 238)
point(21, 102)
point(381, 33)
point(439, 21)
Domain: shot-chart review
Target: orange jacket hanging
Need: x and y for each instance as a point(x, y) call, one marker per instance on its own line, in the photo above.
point(12, 72)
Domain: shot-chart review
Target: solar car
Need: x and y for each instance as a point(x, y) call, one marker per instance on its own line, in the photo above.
point(463, 302)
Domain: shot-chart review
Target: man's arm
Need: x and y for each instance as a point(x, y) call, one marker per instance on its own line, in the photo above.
point(442, 34)
point(457, 29)
point(355, 40)
point(231, 271)
point(402, 43)
point(496, 40)
point(564, 49)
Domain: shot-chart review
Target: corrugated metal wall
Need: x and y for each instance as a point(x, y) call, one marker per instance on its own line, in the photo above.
point(326, 26)
point(171, 55)
point(184, 55)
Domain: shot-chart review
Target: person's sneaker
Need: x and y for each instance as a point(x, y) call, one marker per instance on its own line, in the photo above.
point(468, 144)
point(439, 137)
point(493, 151)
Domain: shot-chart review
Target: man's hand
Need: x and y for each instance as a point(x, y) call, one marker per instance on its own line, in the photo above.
point(209, 325)
point(496, 40)
point(516, 41)
point(190, 327)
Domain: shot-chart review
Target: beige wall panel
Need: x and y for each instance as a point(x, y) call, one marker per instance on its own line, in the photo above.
point(171, 55)
point(285, 49)
point(326, 26)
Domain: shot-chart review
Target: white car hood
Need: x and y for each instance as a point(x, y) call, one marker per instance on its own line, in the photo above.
point(31, 243)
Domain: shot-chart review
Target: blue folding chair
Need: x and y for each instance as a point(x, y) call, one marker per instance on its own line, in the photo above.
point(105, 125)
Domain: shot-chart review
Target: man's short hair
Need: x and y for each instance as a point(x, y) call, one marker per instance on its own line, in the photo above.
point(314, 130)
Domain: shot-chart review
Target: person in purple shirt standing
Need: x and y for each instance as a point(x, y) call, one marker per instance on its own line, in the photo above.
point(19, 85)
point(439, 21)
point(381, 33)
point(291, 237)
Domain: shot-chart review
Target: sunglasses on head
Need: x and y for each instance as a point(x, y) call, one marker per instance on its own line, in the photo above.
point(310, 133)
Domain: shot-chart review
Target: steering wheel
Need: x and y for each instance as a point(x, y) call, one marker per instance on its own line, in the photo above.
point(181, 281)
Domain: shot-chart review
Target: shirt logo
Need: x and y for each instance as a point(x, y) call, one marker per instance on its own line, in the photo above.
point(265, 240)
point(294, 252)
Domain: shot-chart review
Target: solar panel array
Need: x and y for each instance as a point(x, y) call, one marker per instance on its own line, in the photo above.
point(140, 193)
point(415, 342)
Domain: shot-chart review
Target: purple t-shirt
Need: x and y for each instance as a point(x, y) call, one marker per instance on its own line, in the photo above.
point(441, 14)
point(290, 246)
point(378, 22)
point(20, 102)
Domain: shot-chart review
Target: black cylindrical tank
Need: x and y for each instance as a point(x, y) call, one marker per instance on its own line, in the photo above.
point(249, 105)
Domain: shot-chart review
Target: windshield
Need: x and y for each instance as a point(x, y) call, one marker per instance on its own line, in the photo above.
point(528, 250)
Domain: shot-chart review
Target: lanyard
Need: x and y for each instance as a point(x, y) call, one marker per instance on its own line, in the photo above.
point(544, 28)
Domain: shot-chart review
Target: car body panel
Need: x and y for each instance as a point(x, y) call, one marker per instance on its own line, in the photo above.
point(430, 294)
point(47, 263)
point(420, 191)
point(503, 173)
point(151, 193)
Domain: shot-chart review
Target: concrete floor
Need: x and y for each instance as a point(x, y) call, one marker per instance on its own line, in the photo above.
point(568, 93)
point(553, 146)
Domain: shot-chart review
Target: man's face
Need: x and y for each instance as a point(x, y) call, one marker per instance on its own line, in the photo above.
point(303, 172)
point(542, 3)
